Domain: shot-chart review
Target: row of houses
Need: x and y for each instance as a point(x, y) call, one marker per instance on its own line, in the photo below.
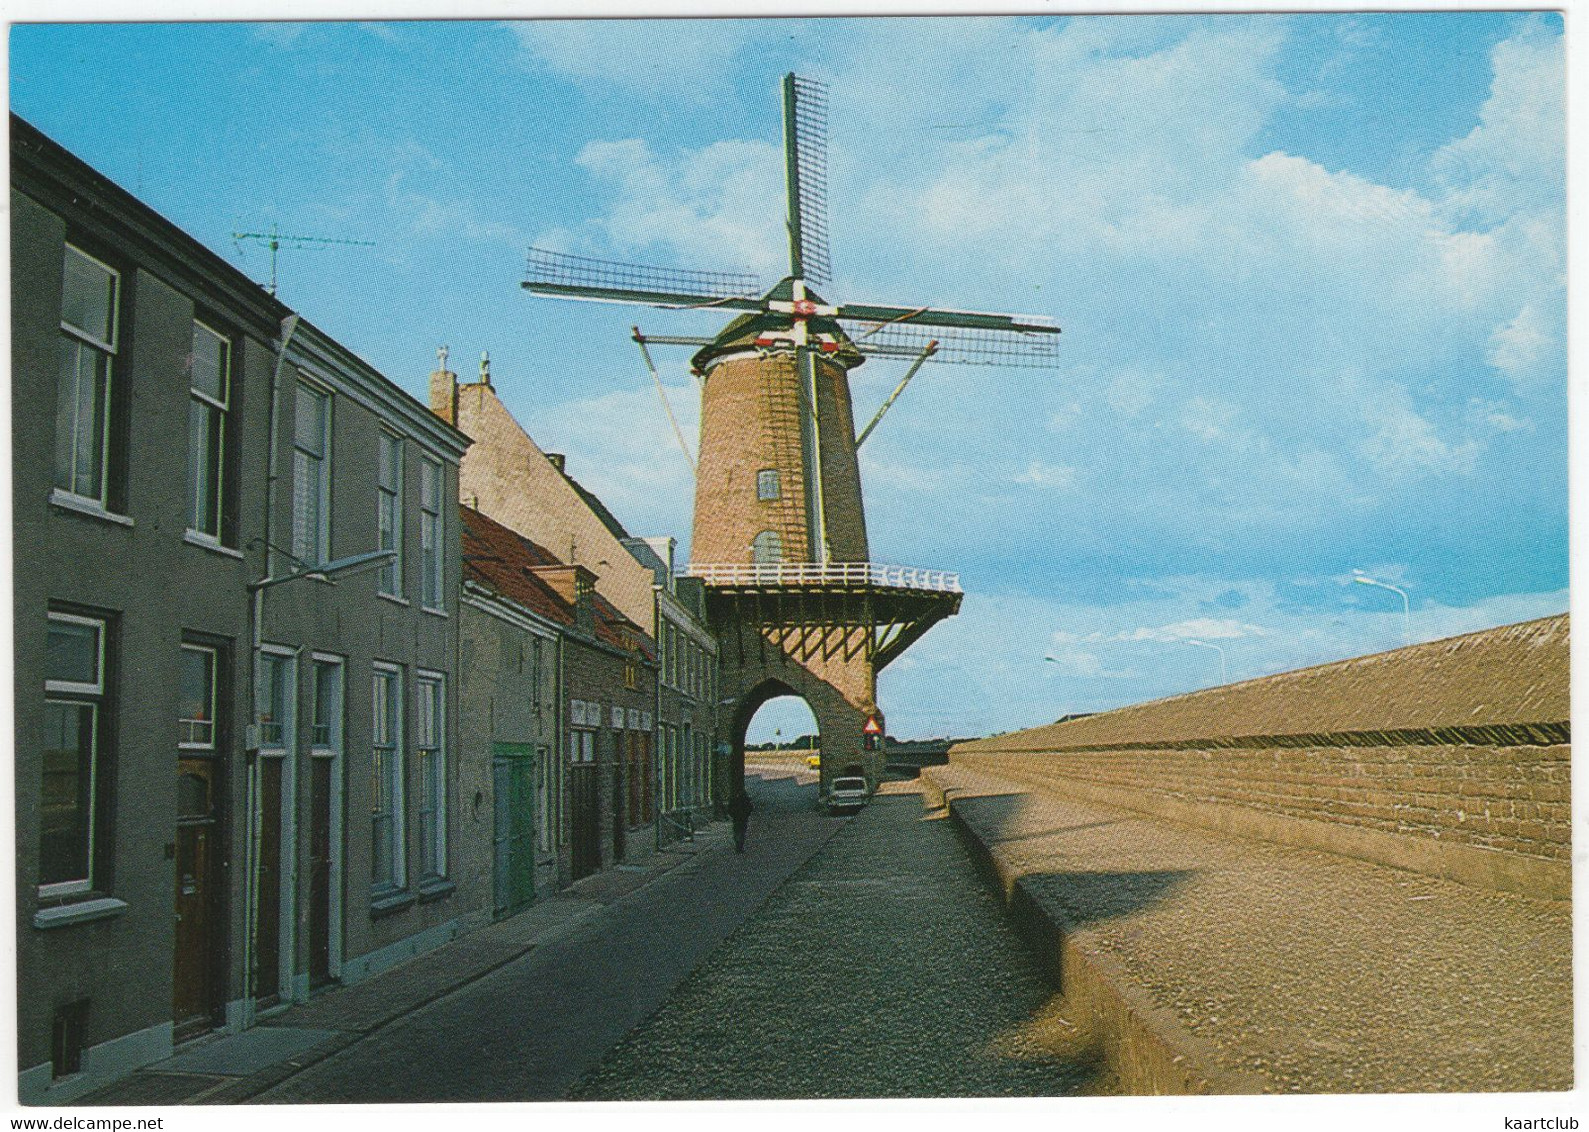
point(310, 676)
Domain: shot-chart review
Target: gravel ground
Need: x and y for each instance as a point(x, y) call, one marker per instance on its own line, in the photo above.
point(856, 979)
point(1318, 972)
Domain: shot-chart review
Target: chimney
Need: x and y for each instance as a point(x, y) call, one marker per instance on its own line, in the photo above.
point(557, 459)
point(444, 389)
point(574, 584)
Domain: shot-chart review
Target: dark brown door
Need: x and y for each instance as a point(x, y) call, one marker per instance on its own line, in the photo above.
point(584, 788)
point(648, 776)
point(196, 985)
point(320, 871)
point(267, 925)
point(618, 819)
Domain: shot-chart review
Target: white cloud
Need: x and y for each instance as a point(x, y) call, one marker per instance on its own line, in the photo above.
point(1513, 159)
point(1404, 443)
point(714, 207)
point(1519, 348)
point(655, 59)
point(984, 670)
point(1055, 477)
point(1195, 628)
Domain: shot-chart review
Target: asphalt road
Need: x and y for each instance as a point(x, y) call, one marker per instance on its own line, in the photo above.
point(531, 1028)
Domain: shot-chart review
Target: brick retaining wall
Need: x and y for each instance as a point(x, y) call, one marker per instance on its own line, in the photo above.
point(1451, 758)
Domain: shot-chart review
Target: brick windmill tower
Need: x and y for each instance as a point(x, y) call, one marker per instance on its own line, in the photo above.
point(780, 533)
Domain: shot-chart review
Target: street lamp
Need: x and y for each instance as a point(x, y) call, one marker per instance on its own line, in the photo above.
point(1406, 607)
point(1223, 678)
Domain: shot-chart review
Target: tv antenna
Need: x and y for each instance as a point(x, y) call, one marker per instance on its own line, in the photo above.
point(276, 239)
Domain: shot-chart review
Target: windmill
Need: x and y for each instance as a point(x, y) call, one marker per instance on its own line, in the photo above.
point(779, 535)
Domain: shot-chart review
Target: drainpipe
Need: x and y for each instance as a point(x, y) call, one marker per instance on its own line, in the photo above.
point(656, 718)
point(289, 327)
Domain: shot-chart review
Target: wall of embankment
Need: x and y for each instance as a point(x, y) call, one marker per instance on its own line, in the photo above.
point(1450, 758)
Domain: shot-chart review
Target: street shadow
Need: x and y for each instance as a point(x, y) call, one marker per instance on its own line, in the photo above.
point(1089, 897)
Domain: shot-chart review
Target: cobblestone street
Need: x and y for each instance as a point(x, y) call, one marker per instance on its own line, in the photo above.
point(884, 967)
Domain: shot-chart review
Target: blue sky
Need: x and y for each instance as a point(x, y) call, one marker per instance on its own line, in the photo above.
point(1310, 270)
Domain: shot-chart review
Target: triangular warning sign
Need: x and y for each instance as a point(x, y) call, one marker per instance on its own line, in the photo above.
point(872, 726)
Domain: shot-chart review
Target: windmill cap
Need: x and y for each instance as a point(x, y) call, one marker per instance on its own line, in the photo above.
point(743, 332)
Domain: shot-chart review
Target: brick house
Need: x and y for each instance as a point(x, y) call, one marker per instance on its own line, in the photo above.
point(584, 778)
point(234, 781)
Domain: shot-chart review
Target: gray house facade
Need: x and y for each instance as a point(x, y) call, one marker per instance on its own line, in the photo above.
point(237, 761)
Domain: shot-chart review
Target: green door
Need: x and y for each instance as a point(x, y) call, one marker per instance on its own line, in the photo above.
point(513, 777)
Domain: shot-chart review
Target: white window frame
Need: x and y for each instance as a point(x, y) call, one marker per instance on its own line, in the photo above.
point(222, 407)
point(331, 748)
point(276, 655)
point(109, 349)
point(93, 694)
point(432, 536)
point(331, 742)
point(436, 771)
point(396, 773)
point(185, 743)
point(321, 552)
point(391, 575)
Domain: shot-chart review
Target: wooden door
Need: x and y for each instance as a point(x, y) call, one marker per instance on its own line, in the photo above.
point(196, 997)
point(267, 924)
point(584, 788)
point(618, 819)
point(321, 797)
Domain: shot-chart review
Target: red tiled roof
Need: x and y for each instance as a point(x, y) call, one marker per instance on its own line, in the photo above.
point(503, 560)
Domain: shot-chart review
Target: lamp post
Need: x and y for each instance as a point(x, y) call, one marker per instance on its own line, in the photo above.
point(1223, 678)
point(1406, 607)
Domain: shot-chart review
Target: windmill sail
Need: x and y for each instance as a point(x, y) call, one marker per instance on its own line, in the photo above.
point(1024, 349)
point(601, 280)
point(805, 126)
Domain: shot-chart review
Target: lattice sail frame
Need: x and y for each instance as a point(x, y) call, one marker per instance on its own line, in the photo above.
point(806, 161)
point(552, 269)
point(956, 345)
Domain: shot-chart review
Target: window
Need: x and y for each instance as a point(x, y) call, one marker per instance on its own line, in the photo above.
point(311, 478)
point(273, 700)
point(209, 381)
point(88, 344)
point(766, 547)
point(74, 704)
point(432, 777)
point(389, 493)
point(325, 730)
point(386, 781)
point(196, 718)
point(430, 533)
point(768, 486)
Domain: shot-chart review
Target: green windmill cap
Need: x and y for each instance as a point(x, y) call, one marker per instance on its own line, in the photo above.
point(742, 333)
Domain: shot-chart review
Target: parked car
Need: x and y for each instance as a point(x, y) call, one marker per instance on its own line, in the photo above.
point(847, 794)
point(814, 762)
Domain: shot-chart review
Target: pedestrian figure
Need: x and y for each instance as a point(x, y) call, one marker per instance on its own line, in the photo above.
point(740, 810)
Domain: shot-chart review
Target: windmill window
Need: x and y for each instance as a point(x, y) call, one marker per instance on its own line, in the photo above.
point(768, 486)
point(766, 547)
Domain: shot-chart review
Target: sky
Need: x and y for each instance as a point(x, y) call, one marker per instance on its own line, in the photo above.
point(1310, 270)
